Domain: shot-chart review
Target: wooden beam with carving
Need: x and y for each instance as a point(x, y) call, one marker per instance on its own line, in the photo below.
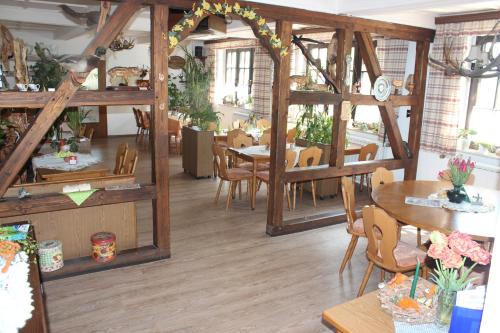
point(387, 113)
point(159, 111)
point(417, 110)
point(281, 91)
point(60, 98)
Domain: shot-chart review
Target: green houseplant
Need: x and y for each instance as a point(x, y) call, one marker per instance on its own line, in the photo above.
point(46, 71)
point(464, 137)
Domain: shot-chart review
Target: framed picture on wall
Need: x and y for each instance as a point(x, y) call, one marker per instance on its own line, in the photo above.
point(92, 115)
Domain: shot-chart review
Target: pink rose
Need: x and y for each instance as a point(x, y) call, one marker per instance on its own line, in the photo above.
point(451, 259)
point(461, 243)
point(437, 251)
point(438, 238)
point(479, 255)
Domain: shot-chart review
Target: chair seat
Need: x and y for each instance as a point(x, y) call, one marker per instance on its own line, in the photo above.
point(238, 174)
point(263, 175)
point(249, 166)
point(406, 254)
point(358, 226)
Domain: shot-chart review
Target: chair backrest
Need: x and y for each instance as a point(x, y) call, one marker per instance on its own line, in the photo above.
point(242, 141)
point(145, 120)
point(121, 155)
point(130, 162)
point(382, 233)
point(236, 124)
point(381, 176)
point(290, 157)
point(220, 160)
point(265, 139)
point(137, 117)
point(174, 125)
point(83, 128)
point(89, 133)
point(368, 152)
point(310, 156)
point(349, 202)
point(233, 134)
point(263, 123)
point(290, 135)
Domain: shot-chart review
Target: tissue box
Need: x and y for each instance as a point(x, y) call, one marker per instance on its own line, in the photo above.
point(468, 311)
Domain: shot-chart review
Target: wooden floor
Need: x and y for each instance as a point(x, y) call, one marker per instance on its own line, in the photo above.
point(225, 274)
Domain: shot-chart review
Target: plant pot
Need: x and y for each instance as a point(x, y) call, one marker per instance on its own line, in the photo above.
point(456, 195)
point(446, 301)
point(464, 143)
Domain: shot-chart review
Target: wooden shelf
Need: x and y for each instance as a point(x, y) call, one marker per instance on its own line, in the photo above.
point(16, 99)
point(326, 98)
point(56, 202)
point(85, 265)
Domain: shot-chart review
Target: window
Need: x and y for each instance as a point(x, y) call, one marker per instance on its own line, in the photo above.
point(239, 77)
point(483, 105)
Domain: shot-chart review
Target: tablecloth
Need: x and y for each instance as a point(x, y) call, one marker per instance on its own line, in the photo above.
point(51, 161)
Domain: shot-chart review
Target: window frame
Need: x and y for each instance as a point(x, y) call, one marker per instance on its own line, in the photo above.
point(237, 69)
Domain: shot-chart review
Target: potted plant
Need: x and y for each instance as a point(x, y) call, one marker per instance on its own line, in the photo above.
point(464, 137)
point(458, 173)
point(75, 118)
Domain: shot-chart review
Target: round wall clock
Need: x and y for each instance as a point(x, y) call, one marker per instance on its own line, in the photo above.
point(382, 88)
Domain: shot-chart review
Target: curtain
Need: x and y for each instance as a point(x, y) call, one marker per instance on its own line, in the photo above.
point(444, 97)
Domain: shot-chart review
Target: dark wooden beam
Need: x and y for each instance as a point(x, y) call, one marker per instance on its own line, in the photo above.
point(160, 137)
point(36, 100)
point(353, 168)
point(387, 113)
point(303, 97)
point(494, 15)
point(85, 265)
point(307, 223)
point(42, 203)
point(417, 110)
point(295, 15)
point(59, 100)
point(281, 91)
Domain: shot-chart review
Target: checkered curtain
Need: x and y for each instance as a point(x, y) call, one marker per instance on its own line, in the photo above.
point(444, 96)
point(392, 55)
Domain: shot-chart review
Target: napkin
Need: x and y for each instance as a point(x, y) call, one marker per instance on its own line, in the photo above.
point(80, 197)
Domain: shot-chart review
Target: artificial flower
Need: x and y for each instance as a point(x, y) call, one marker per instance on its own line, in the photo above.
point(189, 22)
point(479, 255)
point(199, 12)
point(236, 7)
point(461, 243)
point(264, 32)
point(437, 251)
point(218, 7)
point(228, 9)
point(177, 27)
point(438, 238)
point(274, 38)
point(250, 14)
point(173, 41)
point(205, 5)
point(284, 52)
point(261, 21)
point(451, 259)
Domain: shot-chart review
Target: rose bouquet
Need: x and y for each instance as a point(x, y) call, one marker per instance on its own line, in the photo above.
point(451, 253)
point(458, 172)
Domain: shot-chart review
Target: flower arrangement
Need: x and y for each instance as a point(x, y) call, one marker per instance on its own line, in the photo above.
point(451, 275)
point(459, 171)
point(203, 8)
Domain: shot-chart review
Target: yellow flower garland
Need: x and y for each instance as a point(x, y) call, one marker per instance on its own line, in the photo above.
point(204, 7)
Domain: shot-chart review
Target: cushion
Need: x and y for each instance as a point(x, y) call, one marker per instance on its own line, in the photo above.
point(264, 176)
point(249, 166)
point(358, 226)
point(406, 254)
point(238, 173)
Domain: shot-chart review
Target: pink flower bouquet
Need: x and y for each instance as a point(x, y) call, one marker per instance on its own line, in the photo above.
point(451, 253)
point(458, 172)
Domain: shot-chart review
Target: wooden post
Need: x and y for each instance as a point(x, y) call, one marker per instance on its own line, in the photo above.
point(60, 98)
point(344, 42)
point(281, 92)
point(159, 134)
point(417, 111)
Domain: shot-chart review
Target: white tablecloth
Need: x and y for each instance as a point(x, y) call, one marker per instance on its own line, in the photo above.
point(51, 161)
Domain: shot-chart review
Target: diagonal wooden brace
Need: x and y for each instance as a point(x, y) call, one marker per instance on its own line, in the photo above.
point(64, 92)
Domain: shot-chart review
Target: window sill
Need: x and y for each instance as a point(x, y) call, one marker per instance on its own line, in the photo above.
point(484, 160)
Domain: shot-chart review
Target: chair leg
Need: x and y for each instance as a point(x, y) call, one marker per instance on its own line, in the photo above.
point(361, 180)
point(301, 188)
point(368, 272)
point(294, 191)
point(218, 191)
point(348, 252)
point(382, 275)
point(229, 195)
point(313, 191)
point(419, 237)
point(239, 190)
point(287, 193)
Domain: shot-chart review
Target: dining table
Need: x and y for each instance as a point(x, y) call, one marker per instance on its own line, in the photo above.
point(51, 167)
point(481, 226)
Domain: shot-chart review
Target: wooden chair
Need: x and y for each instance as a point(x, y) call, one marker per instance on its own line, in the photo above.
point(381, 176)
point(138, 122)
point(263, 176)
point(267, 131)
point(121, 156)
point(355, 225)
point(130, 162)
point(81, 132)
point(234, 176)
point(263, 123)
point(367, 153)
point(265, 139)
point(89, 133)
point(243, 141)
point(384, 247)
point(307, 158)
point(174, 133)
point(146, 123)
point(233, 134)
point(290, 135)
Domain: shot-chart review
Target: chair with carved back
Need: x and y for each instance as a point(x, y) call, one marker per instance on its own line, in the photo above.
point(307, 158)
point(263, 176)
point(385, 250)
point(81, 132)
point(367, 153)
point(138, 122)
point(244, 141)
point(130, 162)
point(146, 123)
point(174, 135)
point(89, 133)
point(234, 175)
point(263, 123)
point(121, 156)
point(265, 139)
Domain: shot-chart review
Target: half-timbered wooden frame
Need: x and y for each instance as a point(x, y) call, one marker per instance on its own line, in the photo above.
point(347, 28)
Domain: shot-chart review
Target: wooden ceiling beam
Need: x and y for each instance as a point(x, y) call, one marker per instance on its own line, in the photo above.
point(495, 15)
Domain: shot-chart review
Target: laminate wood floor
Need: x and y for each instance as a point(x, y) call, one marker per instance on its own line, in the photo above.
point(225, 274)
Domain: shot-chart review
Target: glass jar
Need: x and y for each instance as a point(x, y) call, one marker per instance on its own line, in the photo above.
point(446, 301)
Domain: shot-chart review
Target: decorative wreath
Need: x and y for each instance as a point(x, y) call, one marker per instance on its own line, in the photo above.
point(203, 8)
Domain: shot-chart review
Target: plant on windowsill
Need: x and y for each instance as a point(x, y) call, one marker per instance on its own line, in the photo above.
point(464, 137)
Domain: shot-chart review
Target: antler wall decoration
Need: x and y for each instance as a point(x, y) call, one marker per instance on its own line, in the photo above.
point(480, 63)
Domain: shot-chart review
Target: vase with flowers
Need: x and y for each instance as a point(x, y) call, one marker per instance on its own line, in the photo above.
point(458, 172)
point(451, 253)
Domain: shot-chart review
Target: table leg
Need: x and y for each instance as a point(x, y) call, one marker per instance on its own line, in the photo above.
point(254, 184)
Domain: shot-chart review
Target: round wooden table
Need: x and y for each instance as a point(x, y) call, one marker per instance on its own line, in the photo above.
point(481, 226)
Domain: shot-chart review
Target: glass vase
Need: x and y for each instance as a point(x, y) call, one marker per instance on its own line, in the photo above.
point(446, 301)
point(457, 194)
